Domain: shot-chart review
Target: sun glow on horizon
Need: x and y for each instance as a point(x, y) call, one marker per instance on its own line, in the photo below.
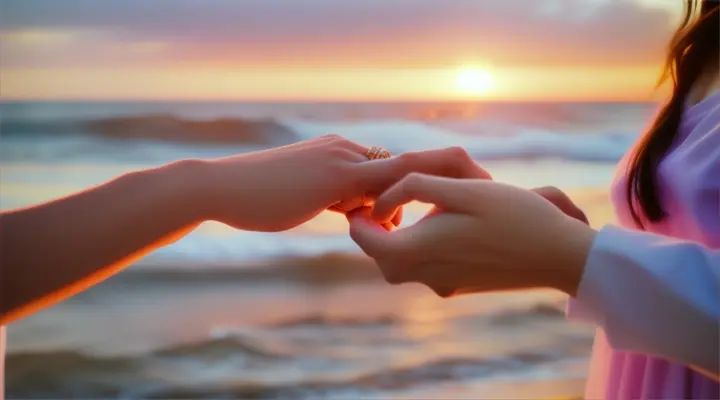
point(330, 84)
point(474, 81)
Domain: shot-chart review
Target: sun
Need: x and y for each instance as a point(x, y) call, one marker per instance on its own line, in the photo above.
point(474, 81)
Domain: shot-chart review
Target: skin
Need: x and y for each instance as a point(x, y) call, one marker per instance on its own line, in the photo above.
point(54, 250)
point(485, 236)
point(480, 236)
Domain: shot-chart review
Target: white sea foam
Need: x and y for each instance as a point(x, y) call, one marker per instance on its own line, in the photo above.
point(516, 142)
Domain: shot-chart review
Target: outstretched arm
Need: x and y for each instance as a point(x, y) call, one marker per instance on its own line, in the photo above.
point(54, 250)
point(51, 251)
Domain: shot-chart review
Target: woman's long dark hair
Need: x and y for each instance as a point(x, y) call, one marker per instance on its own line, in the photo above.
point(692, 53)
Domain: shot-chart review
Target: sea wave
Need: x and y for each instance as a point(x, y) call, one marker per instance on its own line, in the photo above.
point(484, 140)
point(73, 374)
point(166, 128)
point(313, 355)
point(517, 317)
point(323, 320)
point(331, 267)
point(69, 374)
point(220, 347)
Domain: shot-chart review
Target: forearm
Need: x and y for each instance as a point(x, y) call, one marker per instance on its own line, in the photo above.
point(52, 251)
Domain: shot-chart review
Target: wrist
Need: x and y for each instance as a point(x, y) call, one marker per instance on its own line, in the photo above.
point(575, 243)
point(190, 183)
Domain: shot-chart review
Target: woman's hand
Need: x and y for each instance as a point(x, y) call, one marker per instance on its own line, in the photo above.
point(281, 188)
point(561, 201)
point(481, 236)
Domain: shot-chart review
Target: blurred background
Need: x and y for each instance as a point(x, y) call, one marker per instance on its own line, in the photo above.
point(542, 92)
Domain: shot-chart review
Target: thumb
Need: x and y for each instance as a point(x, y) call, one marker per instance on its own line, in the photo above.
point(446, 193)
point(373, 239)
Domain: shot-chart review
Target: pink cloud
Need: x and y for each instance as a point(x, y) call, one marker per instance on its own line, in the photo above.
point(371, 33)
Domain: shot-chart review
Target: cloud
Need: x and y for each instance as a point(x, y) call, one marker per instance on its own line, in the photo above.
point(367, 33)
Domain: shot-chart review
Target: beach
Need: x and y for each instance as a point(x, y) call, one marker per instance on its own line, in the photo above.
point(299, 314)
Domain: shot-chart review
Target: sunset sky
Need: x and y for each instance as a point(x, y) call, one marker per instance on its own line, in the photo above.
point(333, 49)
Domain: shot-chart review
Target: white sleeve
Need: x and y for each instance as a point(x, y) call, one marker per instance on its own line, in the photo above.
point(654, 295)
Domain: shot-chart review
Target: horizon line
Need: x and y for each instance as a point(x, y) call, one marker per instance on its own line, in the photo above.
point(320, 101)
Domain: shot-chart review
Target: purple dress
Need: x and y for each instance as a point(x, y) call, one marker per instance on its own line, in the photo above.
point(655, 298)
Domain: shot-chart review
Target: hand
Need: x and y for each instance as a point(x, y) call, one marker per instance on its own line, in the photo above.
point(281, 188)
point(481, 236)
point(561, 201)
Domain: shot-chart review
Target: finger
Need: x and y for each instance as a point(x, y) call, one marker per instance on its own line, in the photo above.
point(582, 217)
point(442, 291)
point(340, 147)
point(393, 217)
point(397, 218)
point(358, 148)
point(362, 212)
point(345, 206)
point(372, 238)
point(562, 201)
point(445, 193)
point(574, 212)
point(378, 175)
point(358, 151)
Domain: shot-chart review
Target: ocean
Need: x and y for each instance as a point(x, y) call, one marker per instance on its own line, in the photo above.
point(299, 314)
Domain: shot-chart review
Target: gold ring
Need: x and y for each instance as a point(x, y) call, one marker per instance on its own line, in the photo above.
point(377, 152)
